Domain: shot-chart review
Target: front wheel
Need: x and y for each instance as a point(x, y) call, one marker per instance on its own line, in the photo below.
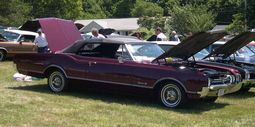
point(2, 55)
point(57, 81)
point(172, 95)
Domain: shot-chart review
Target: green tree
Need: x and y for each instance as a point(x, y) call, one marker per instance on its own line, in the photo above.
point(108, 7)
point(93, 9)
point(238, 24)
point(233, 11)
point(143, 8)
point(250, 13)
point(166, 5)
point(122, 8)
point(191, 18)
point(67, 9)
point(13, 12)
point(152, 22)
point(225, 9)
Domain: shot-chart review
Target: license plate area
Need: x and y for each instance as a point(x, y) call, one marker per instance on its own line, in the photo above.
point(221, 92)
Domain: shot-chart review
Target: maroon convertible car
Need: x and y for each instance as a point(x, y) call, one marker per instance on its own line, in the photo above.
point(124, 61)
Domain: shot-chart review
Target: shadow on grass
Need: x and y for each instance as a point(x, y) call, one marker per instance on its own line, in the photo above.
point(144, 98)
point(8, 60)
point(240, 95)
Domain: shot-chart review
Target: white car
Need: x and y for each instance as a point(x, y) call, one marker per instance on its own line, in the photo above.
point(19, 35)
point(166, 45)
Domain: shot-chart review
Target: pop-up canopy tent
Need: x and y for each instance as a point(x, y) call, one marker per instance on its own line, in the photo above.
point(59, 32)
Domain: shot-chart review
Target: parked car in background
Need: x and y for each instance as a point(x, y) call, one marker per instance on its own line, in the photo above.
point(235, 52)
point(86, 36)
point(59, 32)
point(19, 35)
point(198, 57)
point(15, 42)
point(128, 62)
point(166, 45)
point(2, 28)
point(251, 46)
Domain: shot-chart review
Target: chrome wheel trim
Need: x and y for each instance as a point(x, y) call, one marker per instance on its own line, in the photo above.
point(171, 95)
point(57, 81)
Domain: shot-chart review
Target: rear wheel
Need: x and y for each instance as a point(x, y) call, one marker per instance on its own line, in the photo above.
point(172, 95)
point(2, 55)
point(57, 81)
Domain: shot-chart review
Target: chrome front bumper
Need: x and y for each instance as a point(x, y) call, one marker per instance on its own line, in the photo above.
point(219, 90)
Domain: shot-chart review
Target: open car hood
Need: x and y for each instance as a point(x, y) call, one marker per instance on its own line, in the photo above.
point(233, 45)
point(192, 45)
point(59, 32)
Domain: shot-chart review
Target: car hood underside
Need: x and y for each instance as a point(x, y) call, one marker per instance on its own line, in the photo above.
point(233, 45)
point(192, 45)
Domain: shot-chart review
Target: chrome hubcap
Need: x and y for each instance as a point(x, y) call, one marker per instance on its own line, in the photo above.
point(56, 82)
point(170, 95)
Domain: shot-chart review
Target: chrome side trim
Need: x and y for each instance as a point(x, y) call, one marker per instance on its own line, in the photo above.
point(56, 66)
point(119, 83)
point(110, 82)
point(173, 79)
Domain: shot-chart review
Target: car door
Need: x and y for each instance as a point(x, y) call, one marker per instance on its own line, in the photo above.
point(26, 44)
point(103, 64)
point(119, 70)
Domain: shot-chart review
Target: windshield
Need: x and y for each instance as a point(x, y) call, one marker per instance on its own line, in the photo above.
point(201, 54)
point(145, 51)
point(10, 36)
point(251, 47)
point(245, 51)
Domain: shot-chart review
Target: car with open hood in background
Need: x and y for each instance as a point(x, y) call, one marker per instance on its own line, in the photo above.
point(17, 41)
point(125, 62)
point(58, 32)
point(226, 53)
point(251, 46)
point(200, 41)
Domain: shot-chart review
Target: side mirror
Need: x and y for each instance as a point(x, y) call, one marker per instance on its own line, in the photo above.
point(120, 59)
point(20, 42)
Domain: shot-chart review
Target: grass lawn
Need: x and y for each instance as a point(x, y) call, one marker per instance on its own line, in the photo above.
point(25, 104)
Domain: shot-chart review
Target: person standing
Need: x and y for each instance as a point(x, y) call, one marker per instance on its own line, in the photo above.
point(160, 36)
point(174, 37)
point(41, 42)
point(95, 33)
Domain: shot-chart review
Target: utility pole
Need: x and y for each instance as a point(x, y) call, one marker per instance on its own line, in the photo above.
point(245, 14)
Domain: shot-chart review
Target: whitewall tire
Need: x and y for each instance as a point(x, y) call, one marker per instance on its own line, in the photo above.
point(172, 95)
point(57, 81)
